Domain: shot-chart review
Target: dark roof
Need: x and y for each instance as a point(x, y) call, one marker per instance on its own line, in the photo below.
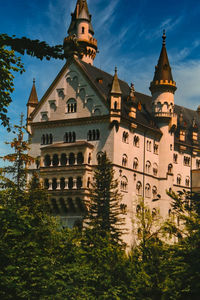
point(33, 98)
point(163, 69)
point(104, 86)
point(144, 117)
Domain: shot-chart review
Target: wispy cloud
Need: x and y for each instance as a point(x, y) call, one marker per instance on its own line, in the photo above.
point(168, 24)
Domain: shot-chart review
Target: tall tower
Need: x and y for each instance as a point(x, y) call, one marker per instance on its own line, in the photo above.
point(163, 86)
point(32, 103)
point(162, 89)
point(80, 41)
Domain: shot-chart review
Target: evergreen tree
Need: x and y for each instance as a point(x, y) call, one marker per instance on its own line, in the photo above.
point(18, 160)
point(105, 213)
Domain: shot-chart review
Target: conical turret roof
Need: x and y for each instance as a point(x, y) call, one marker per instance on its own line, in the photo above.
point(33, 98)
point(115, 84)
point(163, 73)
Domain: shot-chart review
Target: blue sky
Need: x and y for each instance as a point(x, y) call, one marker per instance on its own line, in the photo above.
point(129, 37)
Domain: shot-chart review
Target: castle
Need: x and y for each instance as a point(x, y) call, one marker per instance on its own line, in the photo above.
point(153, 144)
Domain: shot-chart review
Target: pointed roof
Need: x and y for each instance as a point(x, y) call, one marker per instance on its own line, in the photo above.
point(81, 12)
point(33, 98)
point(163, 69)
point(115, 84)
point(163, 74)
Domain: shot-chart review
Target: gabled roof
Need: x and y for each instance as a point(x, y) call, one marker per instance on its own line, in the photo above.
point(102, 82)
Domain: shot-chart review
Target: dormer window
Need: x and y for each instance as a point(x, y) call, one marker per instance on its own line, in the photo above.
point(182, 135)
point(194, 136)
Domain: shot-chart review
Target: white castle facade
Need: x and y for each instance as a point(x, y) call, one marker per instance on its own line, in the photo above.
point(153, 144)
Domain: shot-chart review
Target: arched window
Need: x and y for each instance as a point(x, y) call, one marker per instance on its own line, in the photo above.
point(148, 190)
point(50, 138)
point(55, 160)
point(79, 183)
point(136, 141)
point(124, 160)
point(124, 184)
point(62, 183)
point(187, 181)
point(55, 207)
point(46, 183)
point(71, 159)
point(70, 137)
point(178, 179)
point(54, 184)
point(63, 205)
point(89, 137)
point(115, 105)
point(47, 138)
point(99, 156)
point(80, 158)
point(71, 106)
point(139, 188)
point(170, 168)
point(73, 137)
point(155, 169)
point(125, 137)
point(66, 138)
point(154, 191)
point(43, 140)
point(148, 166)
point(97, 134)
point(63, 160)
point(89, 158)
point(47, 161)
point(135, 163)
point(93, 135)
point(71, 205)
point(83, 30)
point(70, 183)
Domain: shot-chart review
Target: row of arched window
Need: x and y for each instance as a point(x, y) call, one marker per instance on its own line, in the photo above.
point(63, 160)
point(136, 165)
point(63, 183)
point(93, 135)
point(68, 205)
point(148, 191)
point(46, 139)
point(179, 180)
point(70, 137)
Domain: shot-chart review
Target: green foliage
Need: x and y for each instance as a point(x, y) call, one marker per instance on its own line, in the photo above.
point(10, 63)
point(105, 215)
point(19, 159)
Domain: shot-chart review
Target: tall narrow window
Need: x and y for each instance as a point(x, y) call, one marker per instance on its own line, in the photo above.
point(71, 106)
point(83, 30)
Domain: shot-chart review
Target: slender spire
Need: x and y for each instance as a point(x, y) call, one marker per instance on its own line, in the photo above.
point(115, 84)
point(33, 98)
point(163, 74)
